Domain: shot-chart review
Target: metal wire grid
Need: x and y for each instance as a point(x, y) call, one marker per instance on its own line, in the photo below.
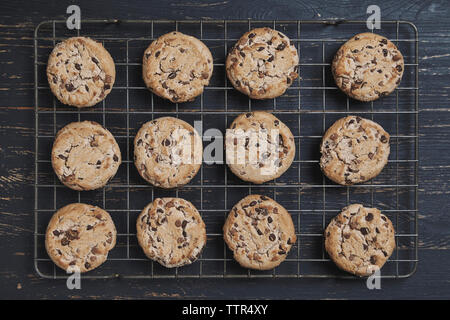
point(313, 265)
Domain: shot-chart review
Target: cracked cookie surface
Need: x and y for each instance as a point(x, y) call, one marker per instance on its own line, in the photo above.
point(80, 235)
point(85, 156)
point(177, 67)
point(262, 64)
point(168, 152)
point(354, 150)
point(80, 72)
point(171, 232)
point(367, 66)
point(259, 147)
point(360, 240)
point(260, 232)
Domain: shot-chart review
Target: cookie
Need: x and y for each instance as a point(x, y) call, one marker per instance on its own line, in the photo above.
point(171, 232)
point(80, 72)
point(368, 66)
point(262, 64)
point(168, 152)
point(260, 232)
point(360, 240)
point(85, 156)
point(177, 67)
point(259, 147)
point(80, 236)
point(354, 150)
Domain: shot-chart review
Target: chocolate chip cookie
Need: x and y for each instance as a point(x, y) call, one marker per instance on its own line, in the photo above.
point(259, 147)
point(262, 64)
point(368, 66)
point(360, 240)
point(85, 156)
point(354, 150)
point(260, 232)
point(171, 232)
point(79, 236)
point(177, 67)
point(168, 152)
point(80, 72)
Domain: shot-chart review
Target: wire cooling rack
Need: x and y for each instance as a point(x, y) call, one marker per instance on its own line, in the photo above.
point(308, 107)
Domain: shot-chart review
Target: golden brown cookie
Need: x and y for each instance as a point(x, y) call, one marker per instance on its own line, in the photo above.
point(168, 152)
point(171, 232)
point(177, 67)
point(262, 64)
point(259, 147)
point(85, 156)
point(80, 236)
point(80, 72)
point(354, 150)
point(368, 66)
point(360, 240)
point(260, 232)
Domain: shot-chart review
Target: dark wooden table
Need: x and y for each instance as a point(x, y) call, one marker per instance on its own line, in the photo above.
point(18, 280)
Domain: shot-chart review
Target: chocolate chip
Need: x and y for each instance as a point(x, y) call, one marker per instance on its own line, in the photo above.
point(281, 252)
point(370, 155)
point(364, 231)
point(259, 232)
point(70, 87)
point(269, 219)
point(260, 49)
point(275, 210)
point(369, 217)
point(281, 46)
point(65, 242)
point(166, 142)
point(242, 54)
point(248, 115)
point(94, 60)
point(106, 87)
point(373, 259)
point(251, 35)
point(178, 223)
point(89, 227)
point(157, 54)
point(78, 66)
point(87, 265)
point(172, 75)
point(56, 233)
point(264, 198)
point(399, 68)
point(334, 136)
point(184, 223)
point(385, 52)
point(270, 59)
point(253, 203)
point(272, 237)
point(383, 139)
point(384, 41)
